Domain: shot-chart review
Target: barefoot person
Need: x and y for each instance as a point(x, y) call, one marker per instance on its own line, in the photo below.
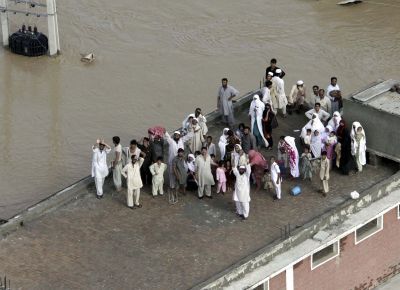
point(99, 165)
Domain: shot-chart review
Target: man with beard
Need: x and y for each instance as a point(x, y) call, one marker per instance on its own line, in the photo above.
point(241, 195)
point(226, 94)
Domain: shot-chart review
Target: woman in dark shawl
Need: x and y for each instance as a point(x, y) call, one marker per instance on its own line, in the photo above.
point(343, 149)
point(267, 118)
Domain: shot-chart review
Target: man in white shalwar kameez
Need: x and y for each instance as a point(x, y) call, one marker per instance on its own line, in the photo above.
point(157, 171)
point(197, 140)
point(266, 94)
point(131, 172)
point(204, 174)
point(279, 88)
point(99, 165)
point(226, 94)
point(276, 178)
point(175, 143)
point(241, 194)
point(256, 113)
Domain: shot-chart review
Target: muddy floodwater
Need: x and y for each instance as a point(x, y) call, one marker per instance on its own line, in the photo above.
point(158, 60)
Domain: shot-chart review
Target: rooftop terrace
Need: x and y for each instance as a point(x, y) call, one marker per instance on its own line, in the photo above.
point(101, 244)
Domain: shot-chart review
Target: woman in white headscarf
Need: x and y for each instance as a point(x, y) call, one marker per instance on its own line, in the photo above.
point(293, 154)
point(314, 124)
point(187, 122)
point(316, 144)
point(223, 140)
point(191, 182)
point(256, 113)
point(334, 122)
point(358, 145)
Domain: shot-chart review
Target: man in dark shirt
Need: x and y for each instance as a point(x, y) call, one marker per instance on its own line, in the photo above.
point(145, 153)
point(248, 140)
point(272, 68)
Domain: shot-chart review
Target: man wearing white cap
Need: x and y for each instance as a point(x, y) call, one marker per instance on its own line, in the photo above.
point(241, 194)
point(226, 94)
point(279, 89)
point(297, 96)
point(266, 94)
point(174, 144)
point(255, 113)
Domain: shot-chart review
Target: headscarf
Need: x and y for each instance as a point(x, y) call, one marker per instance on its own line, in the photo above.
point(291, 149)
point(191, 164)
point(334, 122)
point(314, 124)
point(257, 158)
point(223, 140)
point(354, 129)
point(185, 122)
point(316, 144)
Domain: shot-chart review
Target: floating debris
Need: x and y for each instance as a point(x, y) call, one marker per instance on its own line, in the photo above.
point(349, 2)
point(87, 58)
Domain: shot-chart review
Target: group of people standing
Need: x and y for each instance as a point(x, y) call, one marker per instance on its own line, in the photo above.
point(192, 156)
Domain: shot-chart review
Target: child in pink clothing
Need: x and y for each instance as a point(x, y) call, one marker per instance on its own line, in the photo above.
point(221, 177)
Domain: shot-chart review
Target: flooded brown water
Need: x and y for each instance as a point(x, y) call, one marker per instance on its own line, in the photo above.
point(156, 61)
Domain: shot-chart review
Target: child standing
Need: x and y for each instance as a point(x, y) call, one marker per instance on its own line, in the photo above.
point(306, 167)
point(307, 138)
point(157, 170)
point(230, 177)
point(330, 144)
point(221, 177)
point(324, 173)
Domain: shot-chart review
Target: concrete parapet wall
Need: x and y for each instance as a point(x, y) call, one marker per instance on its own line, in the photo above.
point(333, 217)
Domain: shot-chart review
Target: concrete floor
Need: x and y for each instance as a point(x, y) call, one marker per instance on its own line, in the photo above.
point(101, 244)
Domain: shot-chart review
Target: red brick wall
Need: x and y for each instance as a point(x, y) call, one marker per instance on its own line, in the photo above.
point(278, 282)
point(361, 266)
